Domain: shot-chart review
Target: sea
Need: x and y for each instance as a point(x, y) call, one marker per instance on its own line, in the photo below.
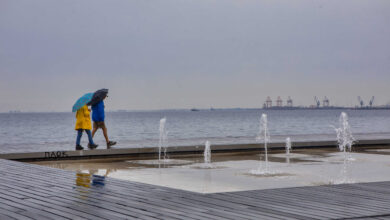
point(39, 132)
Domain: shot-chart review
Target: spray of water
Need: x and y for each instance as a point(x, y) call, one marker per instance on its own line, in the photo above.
point(207, 153)
point(344, 134)
point(345, 140)
point(288, 145)
point(162, 144)
point(263, 136)
point(288, 149)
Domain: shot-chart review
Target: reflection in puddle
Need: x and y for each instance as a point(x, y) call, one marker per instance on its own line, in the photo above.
point(83, 179)
point(206, 166)
point(320, 183)
point(89, 179)
point(256, 173)
point(378, 150)
point(164, 162)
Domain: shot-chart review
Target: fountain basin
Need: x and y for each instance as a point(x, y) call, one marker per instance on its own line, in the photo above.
point(231, 172)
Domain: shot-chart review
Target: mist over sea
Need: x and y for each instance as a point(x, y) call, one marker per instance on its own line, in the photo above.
point(32, 132)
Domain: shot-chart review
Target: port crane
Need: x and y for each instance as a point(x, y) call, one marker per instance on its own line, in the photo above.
point(317, 101)
point(372, 101)
point(279, 102)
point(325, 102)
point(268, 102)
point(360, 102)
point(289, 102)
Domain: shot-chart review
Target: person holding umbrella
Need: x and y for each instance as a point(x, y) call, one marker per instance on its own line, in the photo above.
point(83, 121)
point(98, 115)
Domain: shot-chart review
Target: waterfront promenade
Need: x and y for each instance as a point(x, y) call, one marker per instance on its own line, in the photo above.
point(152, 152)
point(36, 192)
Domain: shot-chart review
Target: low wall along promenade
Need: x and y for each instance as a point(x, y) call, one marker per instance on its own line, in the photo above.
point(148, 152)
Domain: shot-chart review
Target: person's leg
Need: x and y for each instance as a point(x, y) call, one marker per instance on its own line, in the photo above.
point(104, 128)
point(79, 134)
point(109, 143)
point(78, 139)
point(90, 137)
point(95, 127)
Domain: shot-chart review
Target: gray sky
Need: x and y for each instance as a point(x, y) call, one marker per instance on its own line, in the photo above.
point(155, 54)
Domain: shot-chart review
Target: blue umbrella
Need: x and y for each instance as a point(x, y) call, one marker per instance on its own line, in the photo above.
point(98, 96)
point(82, 101)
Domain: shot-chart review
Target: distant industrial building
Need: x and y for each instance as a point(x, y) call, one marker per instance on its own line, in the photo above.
point(317, 104)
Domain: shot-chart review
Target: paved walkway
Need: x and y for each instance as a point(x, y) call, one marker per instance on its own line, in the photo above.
point(36, 192)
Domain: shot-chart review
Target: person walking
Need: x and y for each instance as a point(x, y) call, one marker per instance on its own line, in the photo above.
point(98, 117)
point(83, 123)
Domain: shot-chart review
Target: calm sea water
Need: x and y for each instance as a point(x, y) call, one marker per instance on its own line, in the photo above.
point(29, 132)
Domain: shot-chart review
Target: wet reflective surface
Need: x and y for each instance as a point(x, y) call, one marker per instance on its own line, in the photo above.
point(232, 172)
point(88, 179)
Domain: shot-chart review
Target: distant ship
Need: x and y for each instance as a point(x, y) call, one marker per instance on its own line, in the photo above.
point(194, 110)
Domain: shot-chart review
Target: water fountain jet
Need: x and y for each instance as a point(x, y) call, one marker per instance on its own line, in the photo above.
point(207, 153)
point(288, 148)
point(163, 139)
point(344, 134)
point(345, 141)
point(263, 136)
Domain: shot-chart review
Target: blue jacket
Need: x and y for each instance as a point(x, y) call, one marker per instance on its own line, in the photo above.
point(98, 112)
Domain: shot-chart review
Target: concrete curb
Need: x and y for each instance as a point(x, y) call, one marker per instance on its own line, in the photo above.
point(140, 152)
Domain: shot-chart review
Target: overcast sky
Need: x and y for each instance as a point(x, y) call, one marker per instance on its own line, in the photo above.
point(155, 54)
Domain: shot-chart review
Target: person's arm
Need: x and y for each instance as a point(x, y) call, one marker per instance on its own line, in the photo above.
point(101, 111)
point(86, 112)
point(77, 113)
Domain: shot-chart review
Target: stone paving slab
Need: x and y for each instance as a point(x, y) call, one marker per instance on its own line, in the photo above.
point(30, 191)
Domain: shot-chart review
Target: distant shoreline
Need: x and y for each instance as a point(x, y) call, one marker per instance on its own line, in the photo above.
point(218, 109)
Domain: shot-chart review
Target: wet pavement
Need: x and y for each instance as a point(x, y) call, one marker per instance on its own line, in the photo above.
point(231, 172)
point(29, 191)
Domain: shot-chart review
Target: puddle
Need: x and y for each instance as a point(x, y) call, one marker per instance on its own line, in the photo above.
point(378, 150)
point(259, 173)
point(162, 162)
point(232, 172)
point(206, 166)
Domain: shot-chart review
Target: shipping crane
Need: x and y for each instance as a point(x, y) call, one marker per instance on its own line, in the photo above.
point(360, 102)
point(317, 101)
point(279, 102)
point(268, 102)
point(325, 102)
point(372, 101)
point(289, 102)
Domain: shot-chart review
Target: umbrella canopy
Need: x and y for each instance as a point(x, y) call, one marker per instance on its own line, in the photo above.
point(82, 101)
point(98, 96)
